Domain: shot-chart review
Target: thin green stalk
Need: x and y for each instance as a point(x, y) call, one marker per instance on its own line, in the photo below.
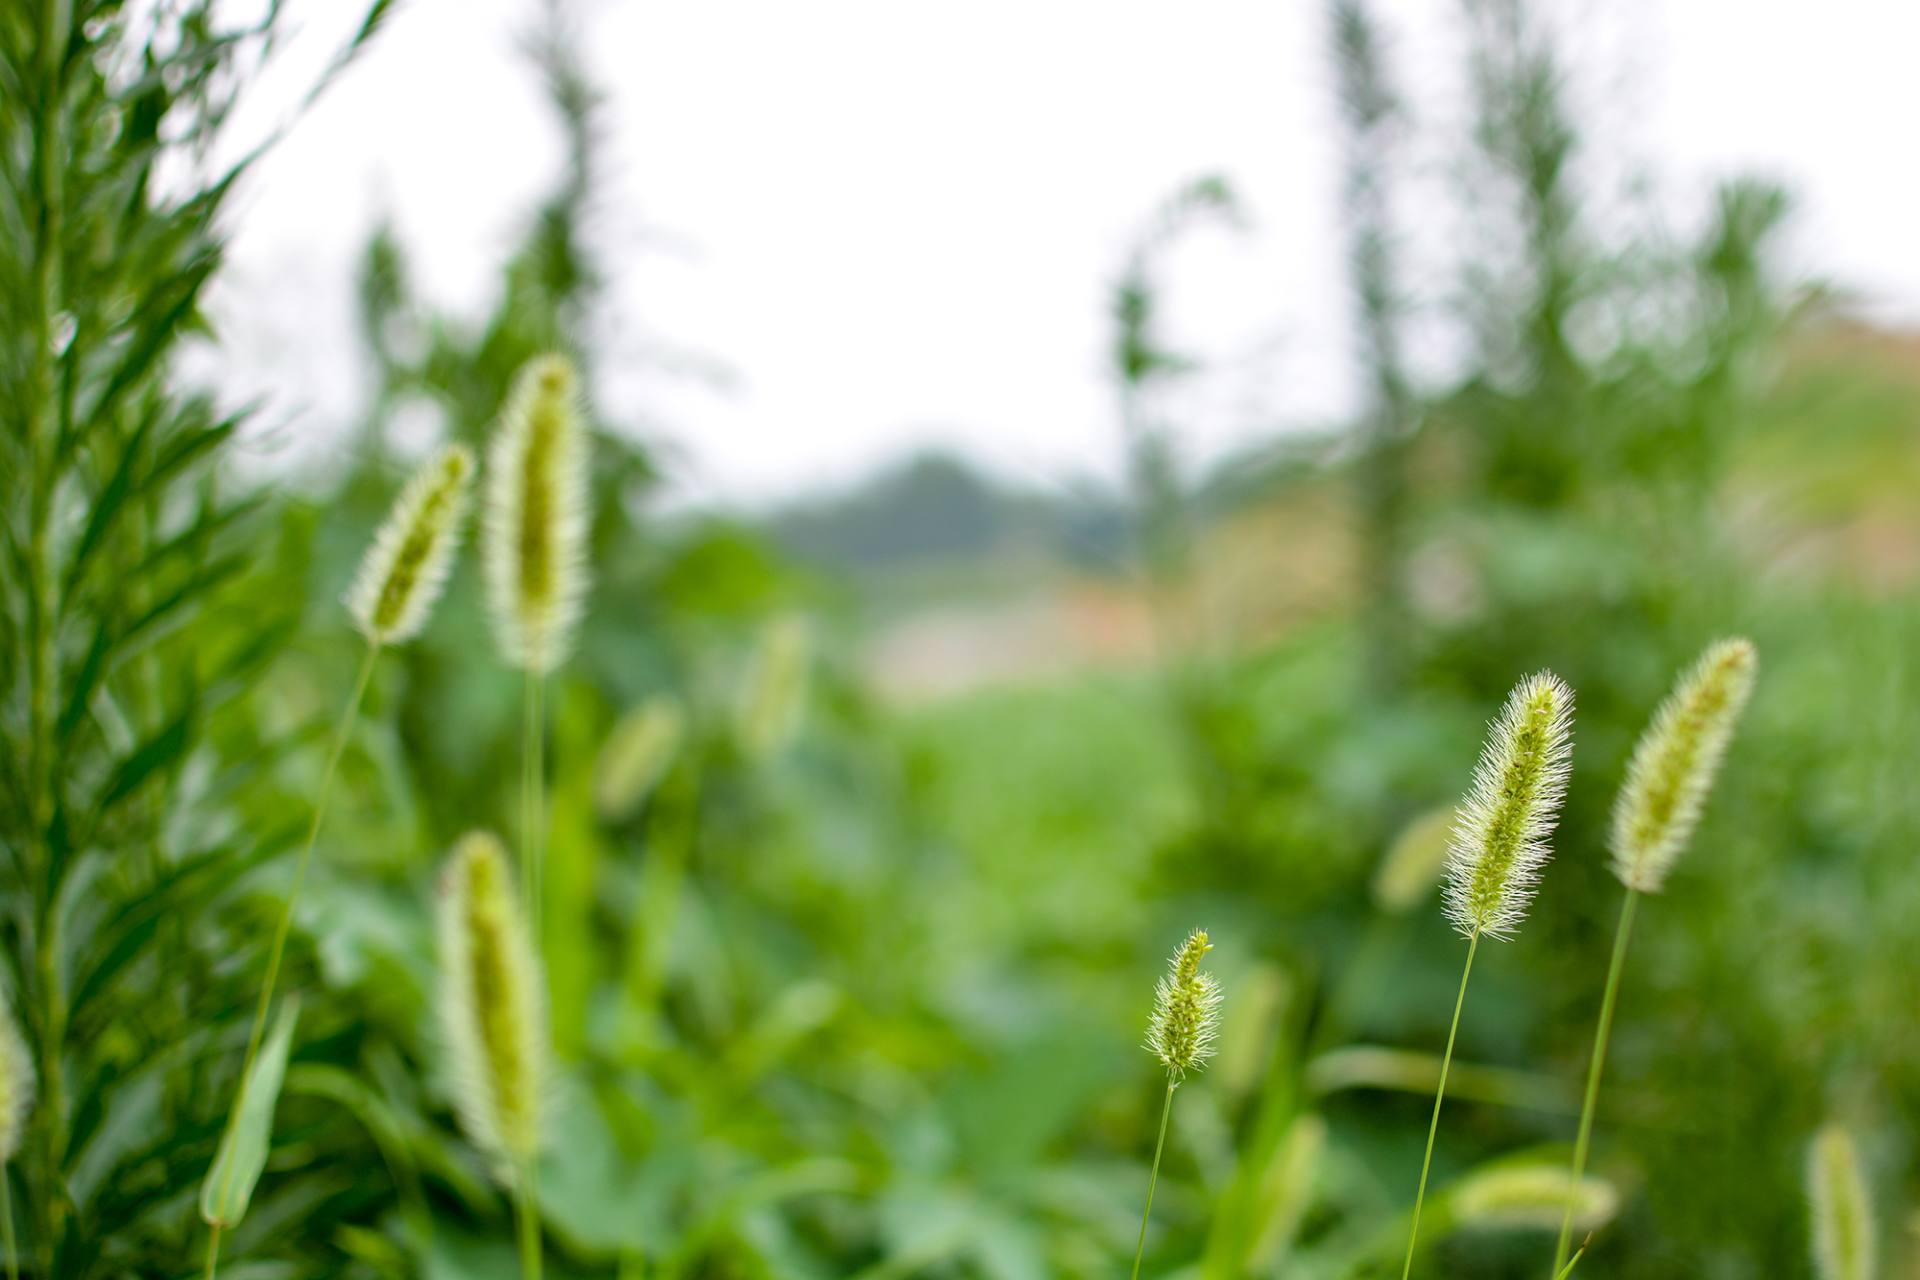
point(1439, 1094)
point(1153, 1179)
point(44, 426)
point(1607, 1001)
point(527, 1212)
point(341, 733)
point(213, 1252)
point(6, 1226)
point(533, 783)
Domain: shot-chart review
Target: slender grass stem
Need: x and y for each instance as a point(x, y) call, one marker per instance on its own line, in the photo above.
point(1153, 1179)
point(527, 1215)
point(1581, 1143)
point(213, 1252)
point(533, 783)
point(1439, 1095)
point(341, 733)
point(6, 1226)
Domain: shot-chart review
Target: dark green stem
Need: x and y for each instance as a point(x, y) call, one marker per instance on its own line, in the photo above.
point(527, 1214)
point(532, 805)
point(1607, 1002)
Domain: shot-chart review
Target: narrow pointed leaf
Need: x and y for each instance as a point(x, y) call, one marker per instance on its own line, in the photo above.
point(243, 1147)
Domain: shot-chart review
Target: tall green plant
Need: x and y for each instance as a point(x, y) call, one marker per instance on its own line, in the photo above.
point(118, 549)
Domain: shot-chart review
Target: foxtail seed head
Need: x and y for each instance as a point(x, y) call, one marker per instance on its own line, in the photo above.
point(1507, 817)
point(16, 1085)
point(492, 1005)
point(404, 570)
point(536, 517)
point(1186, 1010)
point(1842, 1209)
point(1674, 764)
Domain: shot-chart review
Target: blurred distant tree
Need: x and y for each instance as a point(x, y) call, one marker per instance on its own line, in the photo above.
point(1371, 114)
point(1144, 368)
point(1532, 272)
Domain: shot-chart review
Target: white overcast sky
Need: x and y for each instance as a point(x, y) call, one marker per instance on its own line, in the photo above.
point(893, 221)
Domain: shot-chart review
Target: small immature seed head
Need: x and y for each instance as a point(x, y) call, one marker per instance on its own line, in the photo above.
point(1414, 862)
point(1842, 1209)
point(1674, 764)
point(16, 1085)
point(1186, 1010)
point(404, 570)
point(492, 1005)
point(536, 517)
point(1500, 834)
point(1523, 1196)
point(638, 753)
point(776, 691)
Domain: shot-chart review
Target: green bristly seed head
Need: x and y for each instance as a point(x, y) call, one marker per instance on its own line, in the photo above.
point(1842, 1210)
point(1675, 762)
point(1500, 836)
point(492, 1005)
point(1186, 1010)
point(404, 570)
point(536, 517)
point(16, 1085)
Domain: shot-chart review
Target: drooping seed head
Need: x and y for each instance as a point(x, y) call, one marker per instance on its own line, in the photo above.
point(16, 1085)
point(492, 1005)
point(1675, 762)
point(1414, 862)
point(1841, 1207)
point(404, 570)
point(1501, 833)
point(1520, 1196)
point(1186, 1010)
point(536, 525)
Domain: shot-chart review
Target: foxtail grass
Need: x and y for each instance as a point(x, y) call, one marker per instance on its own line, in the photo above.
point(16, 1100)
point(1181, 1034)
point(1499, 845)
point(536, 565)
point(1668, 779)
point(1840, 1207)
point(400, 577)
point(493, 1020)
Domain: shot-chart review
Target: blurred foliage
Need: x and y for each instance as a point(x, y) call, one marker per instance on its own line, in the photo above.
point(846, 989)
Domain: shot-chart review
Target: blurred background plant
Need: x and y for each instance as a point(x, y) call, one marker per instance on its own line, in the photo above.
point(873, 816)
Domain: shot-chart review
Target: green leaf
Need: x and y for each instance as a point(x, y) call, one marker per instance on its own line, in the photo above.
point(243, 1147)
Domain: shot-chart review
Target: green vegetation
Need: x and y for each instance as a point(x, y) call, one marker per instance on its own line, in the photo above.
point(805, 982)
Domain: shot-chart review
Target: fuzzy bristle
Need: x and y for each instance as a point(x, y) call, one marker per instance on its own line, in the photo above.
point(16, 1085)
point(1675, 762)
point(405, 569)
point(1842, 1208)
point(536, 517)
point(492, 1005)
point(1186, 1010)
point(1500, 836)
